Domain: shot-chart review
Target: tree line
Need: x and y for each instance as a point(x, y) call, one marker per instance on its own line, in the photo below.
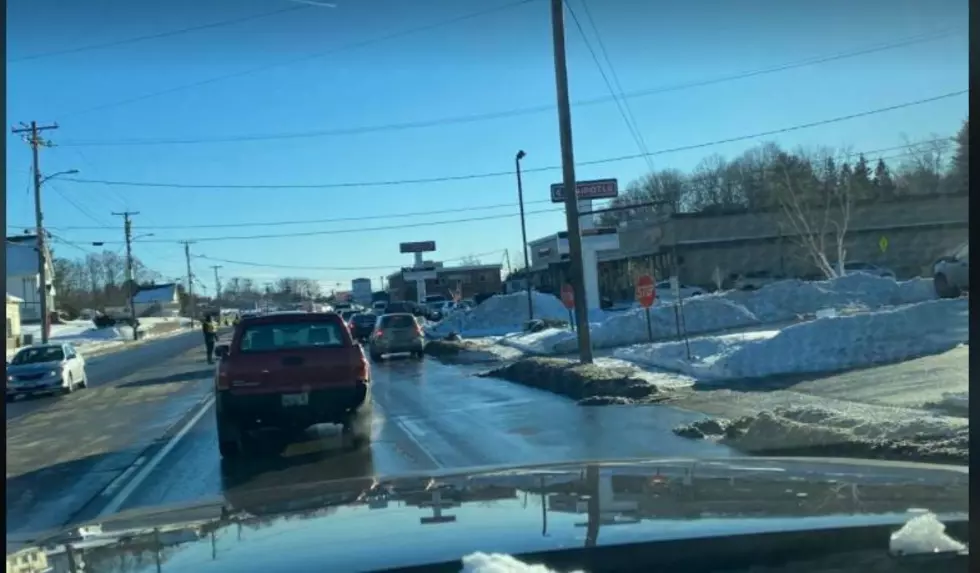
point(97, 281)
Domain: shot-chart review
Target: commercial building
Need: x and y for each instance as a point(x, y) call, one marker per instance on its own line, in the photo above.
point(905, 235)
point(471, 280)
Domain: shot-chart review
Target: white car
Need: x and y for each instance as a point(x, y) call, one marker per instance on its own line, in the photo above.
point(951, 274)
point(45, 369)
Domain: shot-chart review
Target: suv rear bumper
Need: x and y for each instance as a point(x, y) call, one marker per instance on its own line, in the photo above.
point(325, 406)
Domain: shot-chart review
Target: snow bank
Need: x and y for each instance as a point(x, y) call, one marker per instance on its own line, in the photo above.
point(826, 431)
point(87, 338)
point(499, 315)
point(500, 563)
point(788, 299)
point(822, 345)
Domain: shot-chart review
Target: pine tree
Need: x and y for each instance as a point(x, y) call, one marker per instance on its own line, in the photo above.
point(883, 183)
point(958, 179)
point(861, 186)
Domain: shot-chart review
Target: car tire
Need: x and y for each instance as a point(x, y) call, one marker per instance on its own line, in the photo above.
point(230, 443)
point(419, 355)
point(376, 357)
point(70, 387)
point(83, 383)
point(11, 398)
point(943, 288)
point(356, 431)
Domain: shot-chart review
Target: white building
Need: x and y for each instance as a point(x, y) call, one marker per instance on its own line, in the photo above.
point(157, 300)
point(23, 278)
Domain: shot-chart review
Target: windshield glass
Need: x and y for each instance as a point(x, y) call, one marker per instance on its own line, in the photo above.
point(39, 355)
point(291, 335)
point(651, 215)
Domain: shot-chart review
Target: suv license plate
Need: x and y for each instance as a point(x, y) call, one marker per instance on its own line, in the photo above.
point(295, 399)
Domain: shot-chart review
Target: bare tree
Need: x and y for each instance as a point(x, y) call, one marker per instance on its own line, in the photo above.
point(816, 216)
point(469, 260)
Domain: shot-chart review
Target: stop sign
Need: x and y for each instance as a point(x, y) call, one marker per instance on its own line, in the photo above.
point(568, 296)
point(646, 293)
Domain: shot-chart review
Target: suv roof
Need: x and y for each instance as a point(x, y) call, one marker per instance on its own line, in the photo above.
point(297, 316)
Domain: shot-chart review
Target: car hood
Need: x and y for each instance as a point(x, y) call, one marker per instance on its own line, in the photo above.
point(18, 369)
point(437, 517)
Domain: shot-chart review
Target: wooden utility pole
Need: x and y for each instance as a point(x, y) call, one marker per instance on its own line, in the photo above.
point(35, 141)
point(190, 281)
point(217, 283)
point(130, 276)
point(568, 183)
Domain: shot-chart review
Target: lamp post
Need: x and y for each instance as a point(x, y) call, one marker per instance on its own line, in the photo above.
point(42, 258)
point(527, 265)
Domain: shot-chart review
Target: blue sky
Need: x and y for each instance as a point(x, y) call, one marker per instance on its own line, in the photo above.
point(259, 76)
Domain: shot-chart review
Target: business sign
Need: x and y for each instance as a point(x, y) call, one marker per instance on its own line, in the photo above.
point(417, 247)
point(587, 190)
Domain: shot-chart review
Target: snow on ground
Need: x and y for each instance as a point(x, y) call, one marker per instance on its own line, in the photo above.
point(822, 345)
point(87, 338)
point(502, 314)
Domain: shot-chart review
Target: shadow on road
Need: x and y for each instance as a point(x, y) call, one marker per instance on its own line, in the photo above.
point(170, 378)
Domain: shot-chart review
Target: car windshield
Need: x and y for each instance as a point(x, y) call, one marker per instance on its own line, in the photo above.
point(39, 355)
point(787, 177)
point(291, 335)
point(398, 321)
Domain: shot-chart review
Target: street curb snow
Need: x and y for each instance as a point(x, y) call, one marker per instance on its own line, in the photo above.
point(587, 384)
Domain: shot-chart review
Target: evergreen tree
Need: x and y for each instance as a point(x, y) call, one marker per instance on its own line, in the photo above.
point(861, 186)
point(884, 186)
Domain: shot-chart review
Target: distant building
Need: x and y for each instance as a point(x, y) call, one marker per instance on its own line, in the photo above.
point(13, 321)
point(23, 276)
point(471, 280)
point(157, 300)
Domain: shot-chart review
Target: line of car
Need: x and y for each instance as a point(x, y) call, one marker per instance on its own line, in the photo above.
point(282, 373)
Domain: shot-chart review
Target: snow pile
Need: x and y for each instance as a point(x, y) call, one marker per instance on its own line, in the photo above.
point(822, 345)
point(701, 314)
point(500, 315)
point(924, 534)
point(85, 337)
point(500, 563)
point(857, 431)
point(953, 403)
point(789, 299)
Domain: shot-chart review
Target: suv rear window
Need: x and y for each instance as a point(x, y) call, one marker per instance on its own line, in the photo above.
point(292, 335)
point(398, 321)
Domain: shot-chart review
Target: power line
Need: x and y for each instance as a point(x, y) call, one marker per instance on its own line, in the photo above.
point(486, 175)
point(157, 36)
point(617, 93)
point(334, 50)
point(307, 267)
point(487, 116)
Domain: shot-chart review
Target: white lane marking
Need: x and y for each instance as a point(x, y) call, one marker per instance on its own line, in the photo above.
point(415, 433)
point(121, 478)
point(120, 498)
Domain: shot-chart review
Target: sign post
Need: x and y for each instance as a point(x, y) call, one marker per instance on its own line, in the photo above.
point(646, 293)
point(568, 299)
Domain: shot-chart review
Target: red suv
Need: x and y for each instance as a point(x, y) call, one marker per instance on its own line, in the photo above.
point(290, 371)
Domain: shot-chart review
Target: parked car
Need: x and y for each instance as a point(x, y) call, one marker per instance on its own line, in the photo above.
point(686, 291)
point(362, 325)
point(288, 372)
point(859, 267)
point(754, 280)
point(45, 369)
point(397, 333)
point(951, 274)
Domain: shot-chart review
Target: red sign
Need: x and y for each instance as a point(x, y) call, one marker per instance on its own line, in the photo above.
point(646, 292)
point(568, 296)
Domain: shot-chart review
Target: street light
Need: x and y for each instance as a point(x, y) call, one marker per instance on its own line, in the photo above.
point(42, 259)
point(58, 174)
point(527, 265)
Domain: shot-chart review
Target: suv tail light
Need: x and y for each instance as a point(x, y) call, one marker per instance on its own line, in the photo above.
point(379, 333)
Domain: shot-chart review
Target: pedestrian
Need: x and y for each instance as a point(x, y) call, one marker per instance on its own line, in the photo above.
point(210, 335)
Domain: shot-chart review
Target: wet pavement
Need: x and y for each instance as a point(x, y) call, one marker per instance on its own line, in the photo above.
point(162, 450)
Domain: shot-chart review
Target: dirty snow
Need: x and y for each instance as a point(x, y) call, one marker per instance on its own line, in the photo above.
point(500, 315)
point(822, 345)
point(87, 338)
point(923, 534)
point(500, 563)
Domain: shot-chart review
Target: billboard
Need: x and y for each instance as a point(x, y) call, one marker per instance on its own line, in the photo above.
point(587, 190)
point(417, 247)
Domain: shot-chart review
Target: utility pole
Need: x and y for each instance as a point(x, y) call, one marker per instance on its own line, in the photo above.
point(190, 281)
point(128, 229)
point(527, 265)
point(36, 141)
point(217, 282)
point(568, 182)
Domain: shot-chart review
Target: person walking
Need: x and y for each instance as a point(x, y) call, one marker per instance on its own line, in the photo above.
point(210, 336)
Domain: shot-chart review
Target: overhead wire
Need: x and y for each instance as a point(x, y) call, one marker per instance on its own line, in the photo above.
point(305, 58)
point(486, 175)
point(314, 268)
point(486, 116)
point(155, 36)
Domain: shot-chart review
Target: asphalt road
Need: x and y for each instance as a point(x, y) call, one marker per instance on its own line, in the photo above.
point(149, 440)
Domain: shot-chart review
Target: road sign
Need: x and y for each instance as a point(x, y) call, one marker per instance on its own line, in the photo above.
point(883, 243)
point(568, 296)
point(646, 292)
point(417, 247)
point(587, 190)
